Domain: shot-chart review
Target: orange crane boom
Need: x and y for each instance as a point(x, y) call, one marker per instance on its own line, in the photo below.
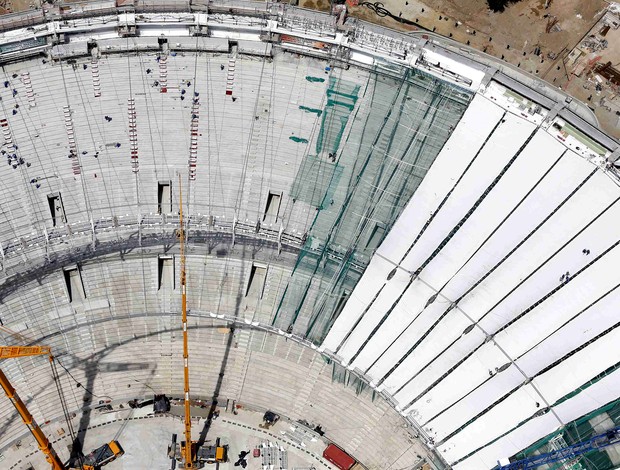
point(188, 450)
point(7, 352)
point(44, 444)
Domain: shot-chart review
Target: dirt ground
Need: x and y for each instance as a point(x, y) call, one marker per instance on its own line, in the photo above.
point(13, 6)
point(321, 5)
point(512, 35)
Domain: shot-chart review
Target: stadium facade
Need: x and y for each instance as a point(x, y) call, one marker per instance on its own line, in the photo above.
point(386, 230)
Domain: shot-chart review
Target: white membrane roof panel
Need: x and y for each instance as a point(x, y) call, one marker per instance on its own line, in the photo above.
point(586, 287)
point(591, 398)
point(509, 445)
point(467, 138)
point(471, 372)
point(594, 396)
point(503, 144)
point(454, 413)
point(409, 307)
point(575, 331)
point(391, 291)
point(504, 416)
point(596, 194)
point(407, 338)
point(556, 186)
point(531, 164)
point(581, 367)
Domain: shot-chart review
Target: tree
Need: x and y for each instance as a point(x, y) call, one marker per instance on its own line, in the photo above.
point(500, 5)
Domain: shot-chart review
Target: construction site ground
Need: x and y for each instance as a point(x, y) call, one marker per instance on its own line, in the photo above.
point(15, 6)
point(145, 439)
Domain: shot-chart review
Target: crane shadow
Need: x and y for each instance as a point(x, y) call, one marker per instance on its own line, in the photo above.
point(222, 372)
point(92, 368)
point(216, 392)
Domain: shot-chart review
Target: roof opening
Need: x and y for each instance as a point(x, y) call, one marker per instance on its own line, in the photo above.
point(376, 236)
point(164, 197)
point(256, 283)
point(74, 284)
point(57, 209)
point(165, 272)
point(273, 207)
point(340, 305)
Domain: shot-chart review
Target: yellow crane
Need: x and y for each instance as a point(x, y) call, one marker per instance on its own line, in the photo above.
point(188, 451)
point(7, 352)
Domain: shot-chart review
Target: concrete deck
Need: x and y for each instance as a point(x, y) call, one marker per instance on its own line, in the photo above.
point(145, 438)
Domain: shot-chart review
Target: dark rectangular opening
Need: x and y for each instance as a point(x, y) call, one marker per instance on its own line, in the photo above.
point(74, 284)
point(272, 208)
point(376, 236)
point(256, 283)
point(164, 197)
point(165, 272)
point(57, 210)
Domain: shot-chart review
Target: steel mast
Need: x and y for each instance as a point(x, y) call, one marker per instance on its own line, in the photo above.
point(44, 444)
point(188, 450)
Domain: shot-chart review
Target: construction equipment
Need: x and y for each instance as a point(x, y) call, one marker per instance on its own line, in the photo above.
point(189, 453)
point(338, 457)
point(212, 454)
point(600, 441)
point(161, 404)
point(204, 454)
point(95, 459)
point(584, 67)
point(188, 447)
point(269, 419)
point(103, 455)
point(42, 441)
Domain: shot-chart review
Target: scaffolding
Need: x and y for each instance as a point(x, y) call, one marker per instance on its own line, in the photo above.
point(580, 430)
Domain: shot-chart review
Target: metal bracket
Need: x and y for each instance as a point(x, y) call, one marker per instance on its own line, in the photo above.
point(554, 112)
point(92, 228)
point(615, 155)
point(280, 233)
point(234, 228)
point(488, 76)
point(140, 229)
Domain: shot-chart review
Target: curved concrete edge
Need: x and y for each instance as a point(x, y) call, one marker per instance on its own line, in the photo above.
point(296, 29)
point(410, 425)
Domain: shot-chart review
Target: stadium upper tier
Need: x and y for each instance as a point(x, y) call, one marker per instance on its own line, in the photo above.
point(399, 239)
